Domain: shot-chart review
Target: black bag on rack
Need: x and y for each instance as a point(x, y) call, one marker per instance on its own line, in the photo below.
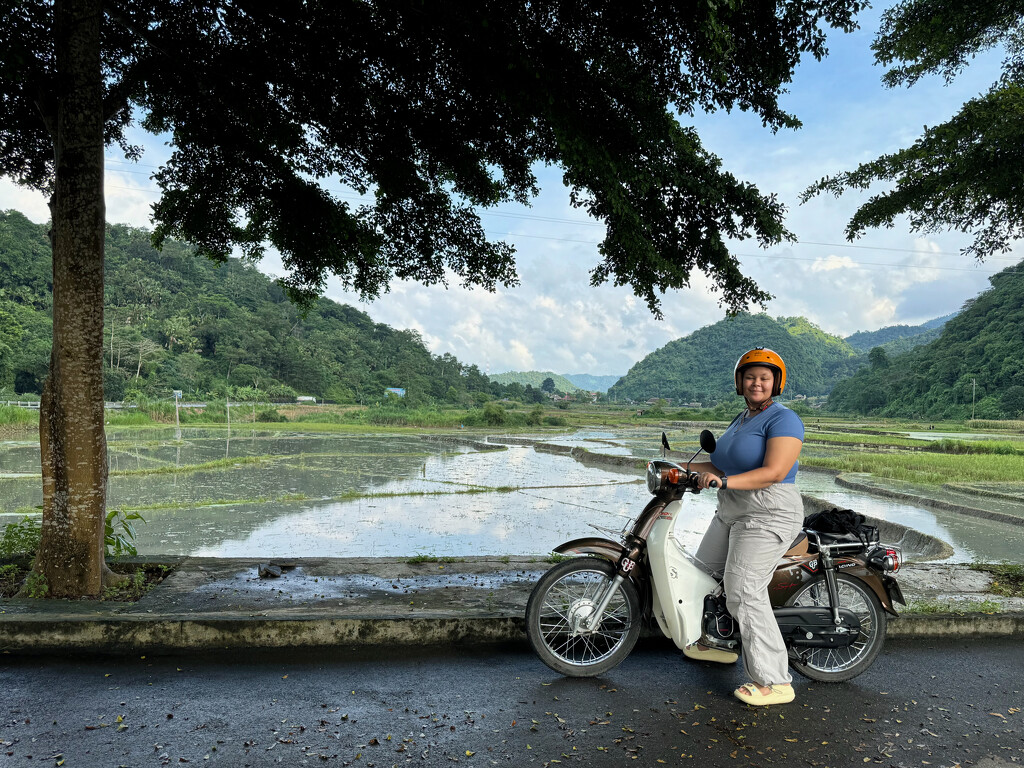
point(837, 526)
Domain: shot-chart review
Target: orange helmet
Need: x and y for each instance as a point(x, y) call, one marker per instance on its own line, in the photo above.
point(767, 358)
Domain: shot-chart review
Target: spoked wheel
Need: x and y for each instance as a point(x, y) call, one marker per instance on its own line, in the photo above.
point(557, 617)
point(833, 665)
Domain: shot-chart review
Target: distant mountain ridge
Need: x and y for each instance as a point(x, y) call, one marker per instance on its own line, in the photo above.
point(699, 367)
point(592, 383)
point(534, 379)
point(864, 341)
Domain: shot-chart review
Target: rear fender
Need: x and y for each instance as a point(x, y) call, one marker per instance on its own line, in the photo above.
point(793, 572)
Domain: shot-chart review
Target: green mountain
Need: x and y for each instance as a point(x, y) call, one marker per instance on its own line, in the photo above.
point(699, 367)
point(592, 383)
point(534, 378)
point(176, 321)
point(910, 335)
point(979, 357)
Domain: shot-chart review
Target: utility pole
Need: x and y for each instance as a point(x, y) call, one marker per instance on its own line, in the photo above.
point(974, 388)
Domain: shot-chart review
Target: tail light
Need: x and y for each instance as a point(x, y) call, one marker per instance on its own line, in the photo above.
point(886, 558)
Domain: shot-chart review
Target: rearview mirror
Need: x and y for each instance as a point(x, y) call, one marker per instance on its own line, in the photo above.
point(707, 441)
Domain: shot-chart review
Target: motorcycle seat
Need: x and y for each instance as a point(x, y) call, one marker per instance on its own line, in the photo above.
point(799, 547)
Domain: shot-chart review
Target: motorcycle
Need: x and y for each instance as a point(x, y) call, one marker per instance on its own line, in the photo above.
point(831, 594)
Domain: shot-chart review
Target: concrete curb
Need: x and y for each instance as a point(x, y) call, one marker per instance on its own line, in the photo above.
point(110, 636)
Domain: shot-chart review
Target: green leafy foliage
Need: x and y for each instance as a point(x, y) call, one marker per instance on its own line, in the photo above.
point(21, 537)
point(962, 174)
point(977, 363)
point(119, 532)
point(438, 109)
point(699, 367)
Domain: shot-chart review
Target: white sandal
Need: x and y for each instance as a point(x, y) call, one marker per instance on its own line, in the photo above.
point(694, 651)
point(749, 693)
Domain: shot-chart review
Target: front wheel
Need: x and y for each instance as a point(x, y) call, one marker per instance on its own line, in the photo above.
point(833, 665)
point(564, 598)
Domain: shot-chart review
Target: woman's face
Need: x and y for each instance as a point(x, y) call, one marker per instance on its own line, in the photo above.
point(756, 383)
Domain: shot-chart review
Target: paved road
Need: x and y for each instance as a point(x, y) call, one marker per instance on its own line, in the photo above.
point(922, 704)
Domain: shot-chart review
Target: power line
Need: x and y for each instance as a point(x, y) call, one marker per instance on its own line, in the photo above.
point(863, 264)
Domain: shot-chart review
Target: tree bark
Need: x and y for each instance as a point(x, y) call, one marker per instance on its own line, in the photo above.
point(71, 437)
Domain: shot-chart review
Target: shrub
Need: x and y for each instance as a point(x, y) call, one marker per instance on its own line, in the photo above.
point(22, 537)
point(270, 415)
point(494, 414)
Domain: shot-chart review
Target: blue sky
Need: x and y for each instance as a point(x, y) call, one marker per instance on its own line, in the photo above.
point(555, 321)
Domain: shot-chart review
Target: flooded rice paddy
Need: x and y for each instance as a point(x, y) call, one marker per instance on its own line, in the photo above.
point(266, 494)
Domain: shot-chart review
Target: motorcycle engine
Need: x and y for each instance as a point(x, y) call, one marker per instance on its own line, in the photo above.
point(720, 630)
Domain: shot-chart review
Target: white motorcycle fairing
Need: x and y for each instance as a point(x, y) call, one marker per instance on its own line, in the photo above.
point(678, 583)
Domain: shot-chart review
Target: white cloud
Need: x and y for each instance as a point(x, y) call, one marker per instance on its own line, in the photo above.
point(831, 263)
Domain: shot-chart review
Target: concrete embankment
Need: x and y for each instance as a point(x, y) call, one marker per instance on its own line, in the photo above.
point(213, 603)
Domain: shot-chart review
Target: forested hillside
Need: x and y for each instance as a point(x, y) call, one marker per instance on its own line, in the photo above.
point(534, 379)
point(699, 367)
point(979, 354)
point(176, 321)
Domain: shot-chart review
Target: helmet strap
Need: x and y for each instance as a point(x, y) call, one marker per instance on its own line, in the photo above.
point(767, 403)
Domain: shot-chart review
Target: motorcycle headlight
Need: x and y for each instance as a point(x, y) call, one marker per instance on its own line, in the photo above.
point(661, 474)
point(653, 477)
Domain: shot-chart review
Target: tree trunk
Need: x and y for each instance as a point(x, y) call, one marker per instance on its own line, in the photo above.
point(71, 436)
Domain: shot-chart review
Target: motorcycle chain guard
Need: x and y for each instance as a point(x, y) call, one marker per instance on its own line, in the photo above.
point(801, 626)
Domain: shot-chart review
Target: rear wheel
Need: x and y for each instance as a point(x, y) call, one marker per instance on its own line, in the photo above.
point(833, 665)
point(564, 598)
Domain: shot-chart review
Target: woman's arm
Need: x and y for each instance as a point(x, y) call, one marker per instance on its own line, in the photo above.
point(702, 466)
point(780, 455)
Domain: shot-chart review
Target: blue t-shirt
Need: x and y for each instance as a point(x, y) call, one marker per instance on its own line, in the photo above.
point(742, 447)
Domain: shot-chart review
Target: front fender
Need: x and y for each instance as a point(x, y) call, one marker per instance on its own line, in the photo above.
point(610, 550)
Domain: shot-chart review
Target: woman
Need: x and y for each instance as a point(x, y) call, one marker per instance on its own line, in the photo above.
point(759, 514)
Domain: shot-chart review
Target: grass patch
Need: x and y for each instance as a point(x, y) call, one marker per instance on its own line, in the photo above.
point(15, 578)
point(957, 608)
point(994, 447)
point(127, 419)
point(862, 438)
point(218, 502)
point(207, 465)
point(926, 468)
point(15, 416)
point(556, 558)
point(417, 559)
point(1007, 578)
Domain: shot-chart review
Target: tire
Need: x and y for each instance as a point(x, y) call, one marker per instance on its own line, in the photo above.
point(833, 665)
point(566, 591)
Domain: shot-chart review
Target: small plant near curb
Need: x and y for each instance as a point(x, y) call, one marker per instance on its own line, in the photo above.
point(557, 558)
point(119, 532)
point(36, 586)
point(415, 560)
point(10, 578)
point(1007, 578)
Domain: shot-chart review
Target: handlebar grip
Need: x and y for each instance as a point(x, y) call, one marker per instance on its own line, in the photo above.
point(713, 484)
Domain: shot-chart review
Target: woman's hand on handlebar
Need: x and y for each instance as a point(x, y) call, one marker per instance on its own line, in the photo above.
point(708, 480)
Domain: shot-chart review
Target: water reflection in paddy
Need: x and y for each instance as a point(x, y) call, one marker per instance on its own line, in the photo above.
point(398, 495)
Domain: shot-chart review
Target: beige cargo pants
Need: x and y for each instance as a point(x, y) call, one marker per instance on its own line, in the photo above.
point(748, 535)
